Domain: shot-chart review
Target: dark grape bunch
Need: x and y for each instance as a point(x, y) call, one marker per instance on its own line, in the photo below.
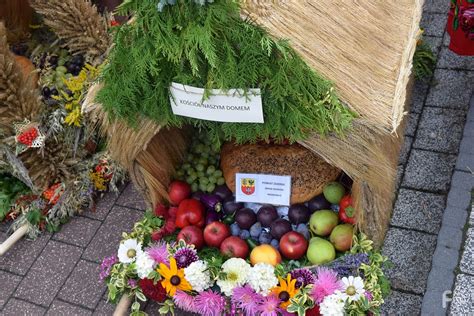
point(20, 49)
point(61, 69)
point(74, 66)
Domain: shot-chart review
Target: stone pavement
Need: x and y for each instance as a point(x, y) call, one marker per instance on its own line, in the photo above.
point(436, 179)
point(58, 273)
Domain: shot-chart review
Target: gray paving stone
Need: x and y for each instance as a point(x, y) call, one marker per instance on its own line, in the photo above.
point(467, 260)
point(450, 237)
point(412, 123)
point(22, 255)
point(459, 197)
point(467, 145)
point(411, 253)
point(440, 130)
point(9, 283)
point(48, 273)
point(449, 59)
point(445, 257)
point(16, 307)
point(434, 24)
point(452, 89)
point(103, 207)
point(131, 197)
point(463, 180)
point(465, 162)
point(404, 152)
point(83, 286)
point(418, 96)
point(455, 217)
point(439, 281)
point(440, 6)
point(79, 231)
point(463, 299)
point(65, 309)
point(105, 242)
point(4, 226)
point(429, 171)
point(401, 304)
point(418, 210)
point(104, 309)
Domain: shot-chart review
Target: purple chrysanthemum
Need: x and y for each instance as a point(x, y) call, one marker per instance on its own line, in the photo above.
point(270, 306)
point(247, 299)
point(106, 266)
point(159, 253)
point(210, 303)
point(303, 277)
point(184, 301)
point(185, 256)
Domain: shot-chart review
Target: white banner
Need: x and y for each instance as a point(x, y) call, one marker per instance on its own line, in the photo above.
point(222, 106)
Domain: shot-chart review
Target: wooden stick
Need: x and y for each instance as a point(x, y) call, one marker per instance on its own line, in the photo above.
point(123, 306)
point(7, 244)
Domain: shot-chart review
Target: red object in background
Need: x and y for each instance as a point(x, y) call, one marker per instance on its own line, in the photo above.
point(461, 27)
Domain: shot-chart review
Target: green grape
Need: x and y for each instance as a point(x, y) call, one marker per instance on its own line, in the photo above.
point(204, 180)
point(217, 173)
point(193, 176)
point(61, 62)
point(212, 180)
point(205, 155)
point(220, 181)
point(68, 76)
point(199, 148)
point(202, 187)
point(189, 180)
point(186, 166)
point(180, 173)
point(189, 157)
point(210, 187)
point(203, 161)
point(61, 69)
point(210, 170)
point(200, 167)
point(201, 174)
point(194, 187)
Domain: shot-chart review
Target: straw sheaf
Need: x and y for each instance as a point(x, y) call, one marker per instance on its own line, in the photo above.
point(364, 47)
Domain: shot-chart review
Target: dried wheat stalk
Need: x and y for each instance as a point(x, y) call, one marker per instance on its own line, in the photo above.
point(19, 99)
point(78, 23)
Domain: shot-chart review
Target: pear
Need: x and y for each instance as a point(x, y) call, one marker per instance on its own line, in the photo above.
point(341, 237)
point(322, 222)
point(320, 251)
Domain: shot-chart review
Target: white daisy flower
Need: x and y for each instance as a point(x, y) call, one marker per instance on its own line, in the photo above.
point(129, 250)
point(262, 278)
point(237, 271)
point(144, 265)
point(198, 276)
point(353, 289)
point(332, 305)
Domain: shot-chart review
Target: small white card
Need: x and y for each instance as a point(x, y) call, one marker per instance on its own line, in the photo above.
point(222, 106)
point(263, 188)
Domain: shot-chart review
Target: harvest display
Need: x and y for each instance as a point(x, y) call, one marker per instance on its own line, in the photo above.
point(209, 254)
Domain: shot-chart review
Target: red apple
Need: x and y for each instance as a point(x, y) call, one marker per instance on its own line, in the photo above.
point(293, 245)
point(178, 191)
point(215, 233)
point(192, 235)
point(234, 247)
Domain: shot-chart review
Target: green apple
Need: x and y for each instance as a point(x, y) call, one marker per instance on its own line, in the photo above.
point(333, 192)
point(322, 222)
point(320, 251)
point(341, 237)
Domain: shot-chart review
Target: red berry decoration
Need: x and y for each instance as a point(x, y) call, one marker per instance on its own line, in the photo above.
point(28, 136)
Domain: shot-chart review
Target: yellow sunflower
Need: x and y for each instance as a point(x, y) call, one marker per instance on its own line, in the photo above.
point(285, 290)
point(173, 278)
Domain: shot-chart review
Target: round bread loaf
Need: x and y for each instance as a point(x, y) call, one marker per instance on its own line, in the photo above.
point(309, 172)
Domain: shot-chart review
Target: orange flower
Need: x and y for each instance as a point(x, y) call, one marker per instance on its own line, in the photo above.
point(285, 290)
point(173, 278)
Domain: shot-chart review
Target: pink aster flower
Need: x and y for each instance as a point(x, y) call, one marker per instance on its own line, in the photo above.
point(159, 253)
point(184, 301)
point(210, 303)
point(325, 284)
point(247, 299)
point(270, 306)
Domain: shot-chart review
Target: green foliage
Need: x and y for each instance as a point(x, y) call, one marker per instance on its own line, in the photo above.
point(143, 229)
point(301, 302)
point(424, 61)
point(212, 47)
point(10, 189)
